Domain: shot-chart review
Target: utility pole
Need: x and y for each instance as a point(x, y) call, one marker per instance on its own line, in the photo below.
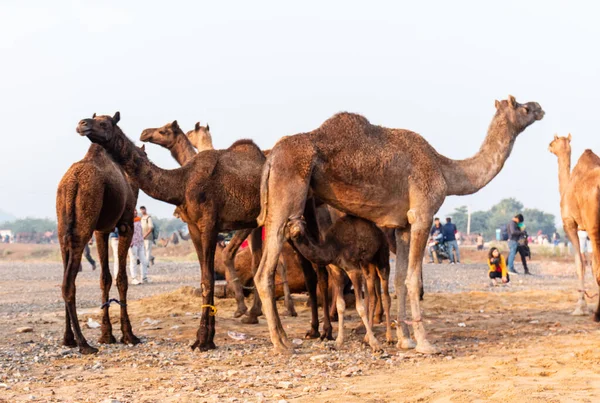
point(468, 220)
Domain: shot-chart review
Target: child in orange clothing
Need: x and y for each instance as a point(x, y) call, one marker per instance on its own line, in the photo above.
point(497, 266)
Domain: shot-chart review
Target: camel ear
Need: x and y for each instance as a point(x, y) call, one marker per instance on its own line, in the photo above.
point(197, 127)
point(116, 118)
point(207, 127)
point(569, 137)
point(175, 125)
point(497, 104)
point(143, 147)
point(512, 101)
point(94, 115)
point(556, 137)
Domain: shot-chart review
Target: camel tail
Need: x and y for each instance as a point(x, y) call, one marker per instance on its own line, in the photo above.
point(70, 219)
point(264, 193)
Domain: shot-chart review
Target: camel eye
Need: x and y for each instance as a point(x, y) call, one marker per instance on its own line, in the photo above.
point(103, 125)
point(526, 108)
point(161, 132)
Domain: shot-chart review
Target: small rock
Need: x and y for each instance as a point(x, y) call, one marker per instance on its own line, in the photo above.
point(282, 401)
point(297, 342)
point(25, 329)
point(4, 386)
point(236, 335)
point(111, 401)
point(92, 324)
point(461, 324)
point(285, 385)
point(448, 358)
point(319, 357)
point(534, 322)
point(350, 371)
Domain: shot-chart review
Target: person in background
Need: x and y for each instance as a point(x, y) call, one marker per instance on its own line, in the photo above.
point(523, 248)
point(88, 255)
point(449, 232)
point(147, 228)
point(480, 241)
point(435, 230)
point(514, 234)
point(113, 241)
point(137, 253)
point(555, 238)
point(584, 245)
point(497, 267)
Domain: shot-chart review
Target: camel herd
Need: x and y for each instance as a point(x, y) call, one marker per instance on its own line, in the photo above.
point(333, 203)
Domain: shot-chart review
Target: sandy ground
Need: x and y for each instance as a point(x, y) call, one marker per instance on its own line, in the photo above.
point(514, 343)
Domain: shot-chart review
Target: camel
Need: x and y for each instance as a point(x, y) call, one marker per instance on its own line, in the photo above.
point(181, 146)
point(200, 137)
point(357, 247)
point(217, 190)
point(95, 196)
point(580, 208)
point(391, 177)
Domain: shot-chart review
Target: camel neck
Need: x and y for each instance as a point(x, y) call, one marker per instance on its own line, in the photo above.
point(160, 184)
point(469, 175)
point(205, 143)
point(564, 172)
point(182, 150)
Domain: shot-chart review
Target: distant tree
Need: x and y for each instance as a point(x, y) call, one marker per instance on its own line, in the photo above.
point(167, 226)
point(31, 225)
point(536, 220)
point(459, 218)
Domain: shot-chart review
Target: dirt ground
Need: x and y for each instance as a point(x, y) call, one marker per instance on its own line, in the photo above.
point(514, 343)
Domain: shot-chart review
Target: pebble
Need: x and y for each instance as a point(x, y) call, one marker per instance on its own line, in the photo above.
point(285, 385)
point(319, 357)
point(25, 329)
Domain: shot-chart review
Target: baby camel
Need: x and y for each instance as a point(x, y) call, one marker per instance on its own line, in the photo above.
point(357, 247)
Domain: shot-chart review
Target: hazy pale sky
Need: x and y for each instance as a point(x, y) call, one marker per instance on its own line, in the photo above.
point(263, 70)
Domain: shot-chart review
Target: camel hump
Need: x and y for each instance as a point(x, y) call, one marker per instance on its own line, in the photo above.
point(589, 159)
point(345, 119)
point(245, 145)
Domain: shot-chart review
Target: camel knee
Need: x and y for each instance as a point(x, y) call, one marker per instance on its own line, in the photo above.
point(296, 228)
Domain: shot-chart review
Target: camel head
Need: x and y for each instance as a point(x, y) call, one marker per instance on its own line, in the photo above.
point(200, 137)
point(519, 116)
point(560, 145)
point(100, 129)
point(163, 136)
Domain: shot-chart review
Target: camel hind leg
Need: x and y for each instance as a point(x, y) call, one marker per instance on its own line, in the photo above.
point(356, 278)
point(581, 308)
point(255, 243)
point(402, 248)
point(228, 259)
point(105, 284)
point(289, 302)
point(123, 249)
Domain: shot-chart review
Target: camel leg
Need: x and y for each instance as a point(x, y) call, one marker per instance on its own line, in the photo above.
point(205, 242)
point(289, 303)
point(122, 284)
point(384, 277)
point(69, 292)
point(418, 241)
point(402, 249)
point(310, 280)
point(255, 242)
point(379, 310)
point(105, 284)
point(333, 290)
point(337, 279)
point(69, 337)
point(570, 228)
point(356, 278)
point(228, 259)
point(369, 276)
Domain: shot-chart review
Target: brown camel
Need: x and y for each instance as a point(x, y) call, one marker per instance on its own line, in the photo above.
point(357, 247)
point(200, 137)
point(391, 177)
point(580, 208)
point(218, 190)
point(171, 137)
point(95, 196)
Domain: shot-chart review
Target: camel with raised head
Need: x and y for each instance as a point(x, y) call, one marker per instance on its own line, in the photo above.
point(217, 190)
point(356, 247)
point(580, 208)
point(93, 197)
point(391, 177)
point(181, 146)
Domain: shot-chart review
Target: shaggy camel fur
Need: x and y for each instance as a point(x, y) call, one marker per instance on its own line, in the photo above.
point(171, 137)
point(200, 137)
point(357, 247)
point(95, 195)
point(391, 177)
point(580, 208)
point(218, 190)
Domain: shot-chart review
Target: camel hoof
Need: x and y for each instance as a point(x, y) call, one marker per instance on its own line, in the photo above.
point(596, 317)
point(377, 319)
point(130, 339)
point(580, 311)
point(240, 312)
point(426, 347)
point(107, 339)
point(85, 350)
point(250, 320)
point(69, 342)
point(289, 313)
point(339, 344)
point(209, 345)
point(283, 350)
point(406, 344)
point(360, 329)
point(312, 334)
point(327, 335)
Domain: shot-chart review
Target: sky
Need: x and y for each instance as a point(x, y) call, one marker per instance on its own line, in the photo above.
point(263, 70)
